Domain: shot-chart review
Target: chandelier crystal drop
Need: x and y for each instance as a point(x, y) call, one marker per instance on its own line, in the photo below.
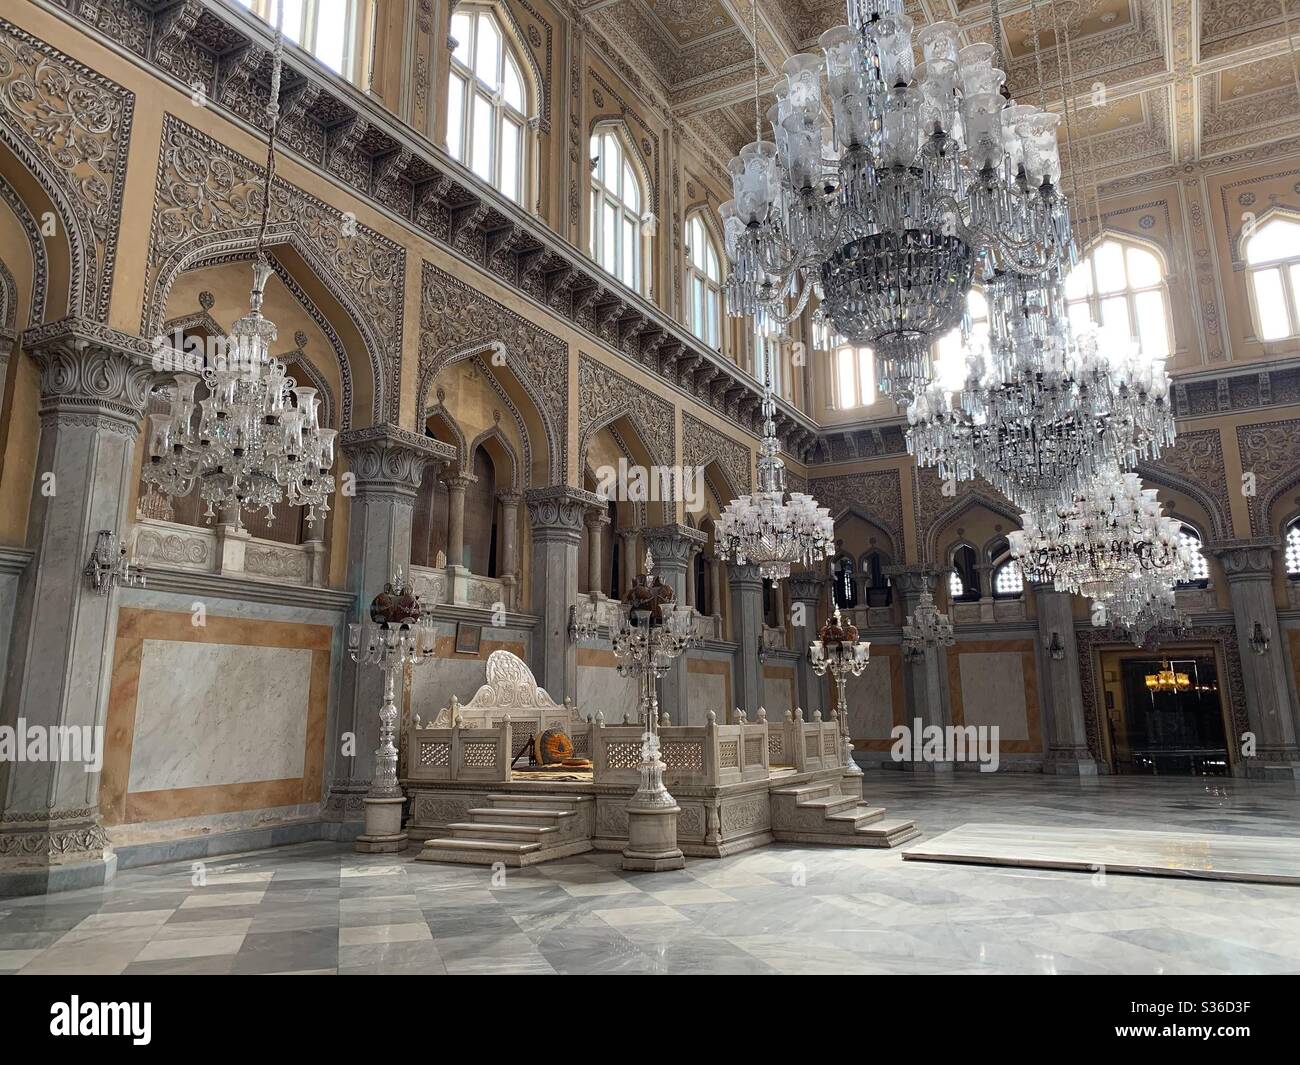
point(926, 627)
point(932, 170)
point(771, 528)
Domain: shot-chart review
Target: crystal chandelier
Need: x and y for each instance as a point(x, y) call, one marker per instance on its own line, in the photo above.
point(1143, 605)
point(772, 528)
point(255, 439)
point(933, 168)
point(1112, 530)
point(926, 627)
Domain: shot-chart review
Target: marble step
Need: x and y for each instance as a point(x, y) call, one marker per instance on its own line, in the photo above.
point(504, 815)
point(804, 792)
point(539, 802)
point(478, 830)
point(831, 805)
point(860, 814)
point(888, 832)
point(491, 852)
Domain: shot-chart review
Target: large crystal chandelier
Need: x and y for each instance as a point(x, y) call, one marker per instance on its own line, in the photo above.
point(255, 439)
point(926, 627)
point(932, 170)
point(1113, 532)
point(772, 528)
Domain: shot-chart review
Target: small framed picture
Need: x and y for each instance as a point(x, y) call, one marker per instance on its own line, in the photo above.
point(468, 638)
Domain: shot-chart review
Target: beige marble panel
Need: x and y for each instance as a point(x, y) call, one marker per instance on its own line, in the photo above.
point(601, 688)
point(778, 696)
point(993, 692)
point(708, 691)
point(212, 714)
point(871, 701)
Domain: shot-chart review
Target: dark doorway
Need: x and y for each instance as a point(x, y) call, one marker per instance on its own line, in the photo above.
point(1171, 718)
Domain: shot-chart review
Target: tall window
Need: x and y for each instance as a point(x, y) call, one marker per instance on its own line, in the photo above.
point(950, 355)
point(1121, 287)
point(331, 30)
point(845, 588)
point(703, 283)
point(617, 225)
point(853, 377)
point(964, 578)
point(1200, 577)
point(1273, 264)
point(486, 103)
point(1291, 554)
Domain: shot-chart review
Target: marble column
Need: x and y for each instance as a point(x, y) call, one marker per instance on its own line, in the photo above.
point(508, 554)
point(747, 634)
point(596, 520)
point(93, 392)
point(628, 537)
point(1270, 700)
point(715, 587)
point(1061, 689)
point(923, 674)
point(671, 546)
point(456, 486)
point(556, 515)
point(387, 463)
point(691, 563)
point(806, 595)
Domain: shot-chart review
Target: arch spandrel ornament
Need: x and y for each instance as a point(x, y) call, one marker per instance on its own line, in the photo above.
point(69, 127)
point(208, 202)
point(605, 396)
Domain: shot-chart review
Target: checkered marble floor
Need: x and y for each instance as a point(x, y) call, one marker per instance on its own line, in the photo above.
point(321, 908)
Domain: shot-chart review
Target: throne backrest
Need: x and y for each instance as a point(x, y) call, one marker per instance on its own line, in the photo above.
point(511, 690)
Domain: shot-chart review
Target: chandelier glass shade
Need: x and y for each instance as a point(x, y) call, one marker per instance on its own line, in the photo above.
point(1167, 679)
point(254, 440)
point(771, 528)
point(926, 627)
point(925, 170)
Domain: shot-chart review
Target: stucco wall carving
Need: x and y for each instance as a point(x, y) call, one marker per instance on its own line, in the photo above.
point(604, 396)
point(702, 444)
point(71, 128)
point(1271, 451)
point(457, 322)
point(208, 204)
point(1195, 465)
point(877, 495)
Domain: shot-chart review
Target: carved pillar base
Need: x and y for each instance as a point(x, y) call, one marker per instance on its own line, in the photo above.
point(383, 832)
point(55, 850)
point(652, 839)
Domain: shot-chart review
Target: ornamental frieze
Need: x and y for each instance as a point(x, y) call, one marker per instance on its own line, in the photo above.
point(208, 203)
point(71, 128)
point(702, 444)
point(457, 322)
point(605, 396)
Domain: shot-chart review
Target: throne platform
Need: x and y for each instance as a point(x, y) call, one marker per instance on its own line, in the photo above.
point(739, 786)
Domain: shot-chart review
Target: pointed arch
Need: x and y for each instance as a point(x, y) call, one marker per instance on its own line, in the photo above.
point(1160, 476)
point(959, 506)
point(622, 190)
point(36, 247)
point(502, 452)
point(439, 421)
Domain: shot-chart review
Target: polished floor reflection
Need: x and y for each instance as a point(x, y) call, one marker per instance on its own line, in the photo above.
point(320, 907)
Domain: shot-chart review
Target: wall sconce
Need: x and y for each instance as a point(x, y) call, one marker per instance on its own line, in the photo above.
point(573, 624)
point(1260, 639)
point(1056, 648)
point(108, 565)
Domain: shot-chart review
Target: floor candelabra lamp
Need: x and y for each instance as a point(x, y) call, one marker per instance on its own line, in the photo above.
point(838, 651)
point(398, 633)
point(649, 632)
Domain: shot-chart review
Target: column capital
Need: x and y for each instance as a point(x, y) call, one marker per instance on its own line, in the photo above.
point(744, 574)
point(806, 587)
point(556, 513)
point(458, 482)
point(672, 544)
point(913, 579)
point(390, 458)
point(1246, 559)
point(89, 369)
point(510, 498)
point(594, 518)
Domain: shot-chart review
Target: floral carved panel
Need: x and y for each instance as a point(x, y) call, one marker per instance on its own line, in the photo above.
point(71, 128)
point(208, 203)
point(1270, 451)
point(702, 444)
point(604, 396)
point(457, 322)
point(1195, 465)
point(876, 495)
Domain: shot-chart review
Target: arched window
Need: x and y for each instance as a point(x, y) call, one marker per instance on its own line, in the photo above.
point(964, 579)
point(879, 590)
point(853, 377)
point(703, 282)
point(1291, 550)
point(950, 353)
point(337, 32)
point(1121, 286)
point(1272, 255)
point(617, 199)
point(487, 103)
point(1008, 581)
point(845, 587)
point(1200, 568)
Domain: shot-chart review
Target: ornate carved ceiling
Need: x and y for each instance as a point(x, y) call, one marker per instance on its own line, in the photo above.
point(1153, 84)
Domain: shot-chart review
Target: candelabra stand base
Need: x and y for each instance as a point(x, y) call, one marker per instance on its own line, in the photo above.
point(383, 829)
point(652, 839)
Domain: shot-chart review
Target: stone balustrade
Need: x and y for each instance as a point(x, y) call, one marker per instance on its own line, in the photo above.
point(225, 550)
